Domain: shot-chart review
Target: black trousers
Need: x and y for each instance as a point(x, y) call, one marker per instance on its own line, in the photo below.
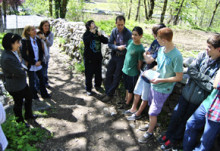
point(18, 97)
point(93, 68)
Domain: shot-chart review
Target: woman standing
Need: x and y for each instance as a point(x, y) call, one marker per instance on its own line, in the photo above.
point(15, 77)
point(92, 39)
point(32, 53)
point(47, 39)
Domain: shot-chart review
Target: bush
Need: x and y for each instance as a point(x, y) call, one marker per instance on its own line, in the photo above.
point(79, 67)
point(1, 37)
point(21, 138)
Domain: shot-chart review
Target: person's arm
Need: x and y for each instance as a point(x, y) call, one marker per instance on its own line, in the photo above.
point(139, 65)
point(88, 37)
point(111, 43)
point(2, 114)
point(49, 41)
point(14, 68)
point(216, 83)
point(177, 78)
point(202, 80)
point(148, 58)
point(103, 39)
point(25, 53)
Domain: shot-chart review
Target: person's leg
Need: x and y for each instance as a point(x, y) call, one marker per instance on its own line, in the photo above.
point(116, 77)
point(32, 80)
point(28, 101)
point(141, 108)
point(178, 113)
point(88, 75)
point(179, 132)
point(152, 124)
point(45, 70)
point(109, 74)
point(193, 125)
point(132, 80)
point(135, 103)
point(18, 101)
point(208, 137)
point(43, 90)
point(98, 73)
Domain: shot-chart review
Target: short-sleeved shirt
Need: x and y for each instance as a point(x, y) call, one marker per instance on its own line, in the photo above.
point(133, 55)
point(167, 65)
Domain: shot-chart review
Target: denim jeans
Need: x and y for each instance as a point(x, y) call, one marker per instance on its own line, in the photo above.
point(113, 74)
point(195, 123)
point(180, 115)
point(32, 83)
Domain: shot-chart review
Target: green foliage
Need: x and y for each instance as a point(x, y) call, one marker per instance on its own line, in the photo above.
point(21, 138)
point(75, 10)
point(37, 7)
point(1, 36)
point(61, 41)
point(79, 67)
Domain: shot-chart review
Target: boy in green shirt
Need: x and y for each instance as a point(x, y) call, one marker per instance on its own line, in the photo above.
point(132, 63)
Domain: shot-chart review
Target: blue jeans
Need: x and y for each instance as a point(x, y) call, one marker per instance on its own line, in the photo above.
point(195, 123)
point(32, 83)
point(180, 115)
point(113, 74)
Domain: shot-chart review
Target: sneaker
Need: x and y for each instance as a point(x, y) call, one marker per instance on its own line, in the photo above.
point(107, 98)
point(144, 128)
point(146, 138)
point(99, 89)
point(128, 112)
point(162, 139)
point(89, 93)
point(124, 106)
point(134, 117)
point(167, 146)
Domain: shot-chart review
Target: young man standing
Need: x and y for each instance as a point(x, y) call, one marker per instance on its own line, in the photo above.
point(170, 67)
point(118, 42)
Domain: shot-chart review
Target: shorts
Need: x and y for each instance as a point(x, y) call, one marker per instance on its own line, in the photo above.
point(156, 101)
point(130, 82)
point(142, 88)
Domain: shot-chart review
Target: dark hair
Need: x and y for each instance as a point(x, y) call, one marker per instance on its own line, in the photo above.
point(165, 33)
point(120, 17)
point(138, 29)
point(41, 27)
point(157, 27)
point(214, 40)
point(88, 24)
point(10, 39)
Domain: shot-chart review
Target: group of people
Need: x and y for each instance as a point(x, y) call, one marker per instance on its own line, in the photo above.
point(29, 53)
point(199, 104)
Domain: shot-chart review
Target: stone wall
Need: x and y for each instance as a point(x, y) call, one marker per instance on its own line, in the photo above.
point(72, 32)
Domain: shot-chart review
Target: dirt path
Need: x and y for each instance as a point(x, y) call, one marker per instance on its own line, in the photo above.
point(80, 122)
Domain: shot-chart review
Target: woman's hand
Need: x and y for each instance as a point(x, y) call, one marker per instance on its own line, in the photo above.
point(156, 81)
point(38, 63)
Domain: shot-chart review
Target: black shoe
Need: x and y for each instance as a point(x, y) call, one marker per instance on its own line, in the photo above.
point(48, 86)
point(47, 96)
point(99, 89)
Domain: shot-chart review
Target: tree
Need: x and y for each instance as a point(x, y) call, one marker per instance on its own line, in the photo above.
point(51, 7)
point(145, 9)
point(60, 8)
point(1, 20)
point(176, 17)
point(213, 14)
point(148, 15)
point(163, 11)
point(129, 12)
point(138, 10)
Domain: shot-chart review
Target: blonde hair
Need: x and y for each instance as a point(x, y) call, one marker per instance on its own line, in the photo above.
point(27, 29)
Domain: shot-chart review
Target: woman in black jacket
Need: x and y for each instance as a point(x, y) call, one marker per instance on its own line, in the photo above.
point(92, 39)
point(32, 52)
point(15, 76)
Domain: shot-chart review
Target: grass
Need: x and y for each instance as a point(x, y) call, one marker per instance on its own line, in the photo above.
point(102, 6)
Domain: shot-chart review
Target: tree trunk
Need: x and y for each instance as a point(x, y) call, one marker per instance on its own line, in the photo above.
point(129, 13)
point(203, 13)
point(213, 14)
point(1, 20)
point(63, 9)
point(145, 8)
point(57, 8)
point(4, 3)
point(163, 11)
point(138, 10)
point(176, 18)
point(151, 9)
point(51, 7)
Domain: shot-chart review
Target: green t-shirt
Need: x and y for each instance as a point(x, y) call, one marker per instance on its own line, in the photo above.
point(133, 55)
point(167, 65)
point(208, 101)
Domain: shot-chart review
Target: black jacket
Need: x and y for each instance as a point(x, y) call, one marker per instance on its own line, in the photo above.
point(93, 42)
point(27, 52)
